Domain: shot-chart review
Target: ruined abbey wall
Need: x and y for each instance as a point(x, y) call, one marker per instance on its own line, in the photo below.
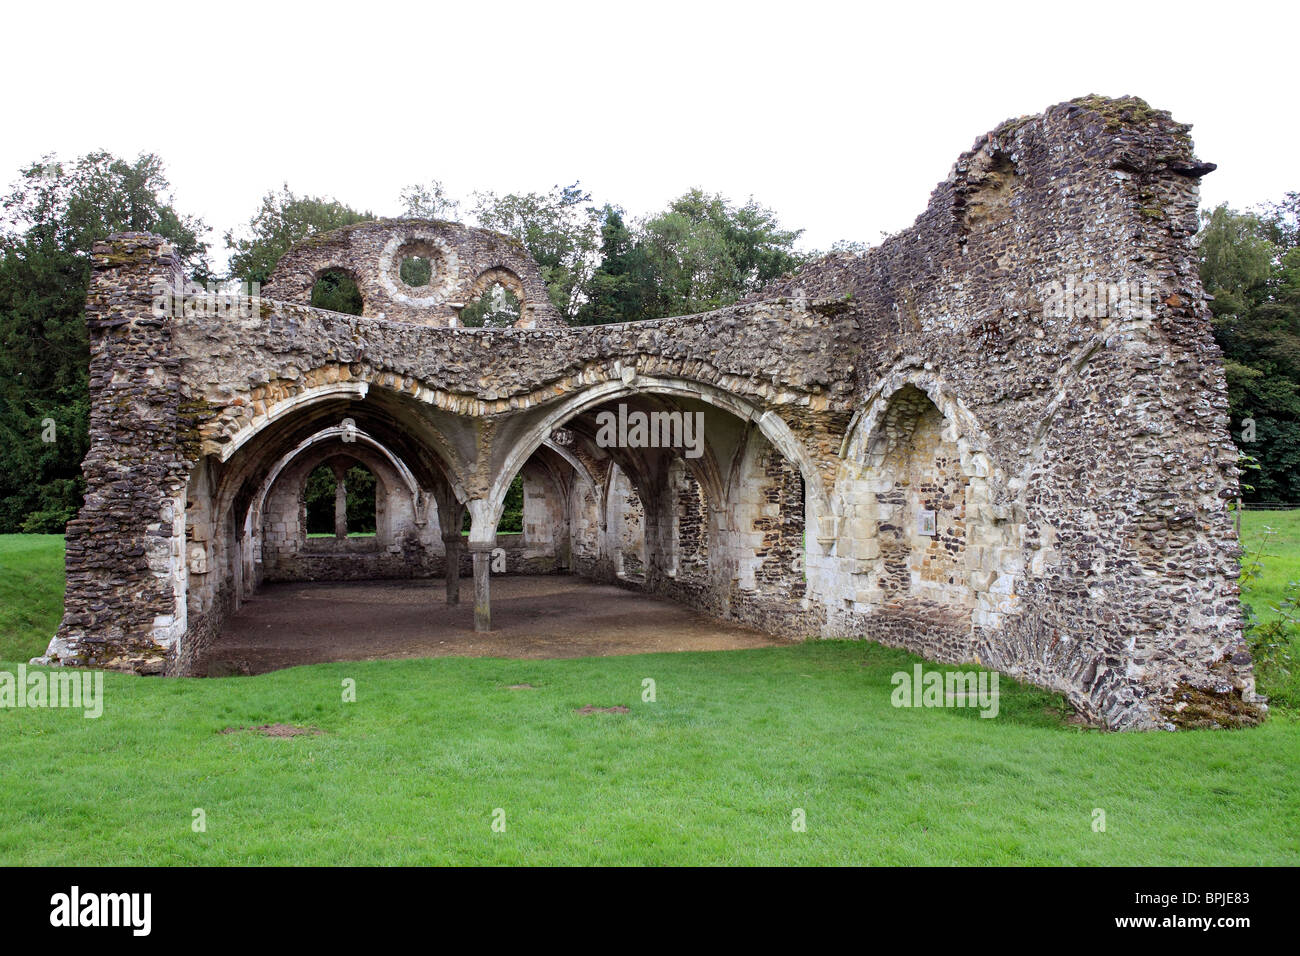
point(465, 262)
point(1000, 437)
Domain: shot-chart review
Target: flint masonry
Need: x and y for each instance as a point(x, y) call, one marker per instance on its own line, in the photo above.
point(909, 446)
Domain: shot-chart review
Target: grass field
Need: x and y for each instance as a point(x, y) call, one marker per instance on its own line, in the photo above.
point(31, 593)
point(1273, 539)
point(713, 771)
point(1277, 535)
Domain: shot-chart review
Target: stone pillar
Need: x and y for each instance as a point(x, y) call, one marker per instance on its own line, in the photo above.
point(340, 503)
point(482, 540)
point(657, 532)
point(452, 544)
point(482, 590)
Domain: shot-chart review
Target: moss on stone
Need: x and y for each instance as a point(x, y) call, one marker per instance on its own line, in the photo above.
point(1129, 112)
point(1192, 708)
point(113, 260)
point(192, 414)
point(1010, 127)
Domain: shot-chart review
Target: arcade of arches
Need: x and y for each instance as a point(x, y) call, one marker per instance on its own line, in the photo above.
point(906, 445)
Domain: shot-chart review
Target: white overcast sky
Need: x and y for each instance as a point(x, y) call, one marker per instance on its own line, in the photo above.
point(840, 116)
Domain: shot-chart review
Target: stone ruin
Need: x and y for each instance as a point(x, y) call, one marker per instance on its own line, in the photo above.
point(1000, 437)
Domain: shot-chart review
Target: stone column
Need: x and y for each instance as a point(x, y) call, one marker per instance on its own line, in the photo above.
point(452, 544)
point(482, 590)
point(482, 540)
point(340, 503)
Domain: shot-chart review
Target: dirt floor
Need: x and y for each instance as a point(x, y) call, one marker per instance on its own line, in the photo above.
point(532, 617)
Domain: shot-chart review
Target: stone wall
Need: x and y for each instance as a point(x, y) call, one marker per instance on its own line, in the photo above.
point(1000, 437)
point(126, 572)
point(465, 263)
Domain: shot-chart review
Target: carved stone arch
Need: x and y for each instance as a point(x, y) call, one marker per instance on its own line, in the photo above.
point(497, 275)
point(974, 444)
point(771, 425)
point(929, 513)
point(235, 439)
point(418, 504)
point(334, 266)
point(579, 467)
point(508, 279)
point(625, 528)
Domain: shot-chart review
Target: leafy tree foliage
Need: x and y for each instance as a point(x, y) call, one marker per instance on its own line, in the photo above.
point(701, 253)
point(416, 271)
point(623, 288)
point(283, 220)
point(337, 291)
point(360, 485)
point(706, 252)
point(429, 202)
point(512, 509)
point(1250, 263)
point(52, 216)
point(560, 229)
point(497, 308)
point(318, 495)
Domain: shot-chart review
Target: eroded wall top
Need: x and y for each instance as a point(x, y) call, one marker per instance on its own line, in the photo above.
point(464, 263)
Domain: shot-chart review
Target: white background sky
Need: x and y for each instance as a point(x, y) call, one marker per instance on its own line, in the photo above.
point(840, 116)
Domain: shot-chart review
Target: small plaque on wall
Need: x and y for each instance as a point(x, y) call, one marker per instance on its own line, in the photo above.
point(925, 523)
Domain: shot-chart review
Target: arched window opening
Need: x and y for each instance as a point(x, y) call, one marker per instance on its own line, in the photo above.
point(337, 291)
point(360, 484)
point(921, 503)
point(340, 503)
point(318, 494)
point(496, 308)
point(512, 515)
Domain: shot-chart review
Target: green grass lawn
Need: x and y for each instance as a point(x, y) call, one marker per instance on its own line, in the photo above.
point(31, 593)
point(1273, 538)
point(711, 772)
point(1277, 533)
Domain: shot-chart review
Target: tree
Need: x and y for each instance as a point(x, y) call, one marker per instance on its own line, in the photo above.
point(1250, 263)
point(707, 252)
point(561, 231)
point(284, 220)
point(1236, 261)
point(71, 206)
point(623, 288)
point(496, 308)
point(429, 202)
point(52, 216)
point(337, 291)
point(1282, 221)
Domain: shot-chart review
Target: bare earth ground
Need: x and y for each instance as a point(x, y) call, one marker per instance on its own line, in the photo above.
point(532, 617)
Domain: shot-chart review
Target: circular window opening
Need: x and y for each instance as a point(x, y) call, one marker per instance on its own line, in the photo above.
point(416, 271)
point(418, 263)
